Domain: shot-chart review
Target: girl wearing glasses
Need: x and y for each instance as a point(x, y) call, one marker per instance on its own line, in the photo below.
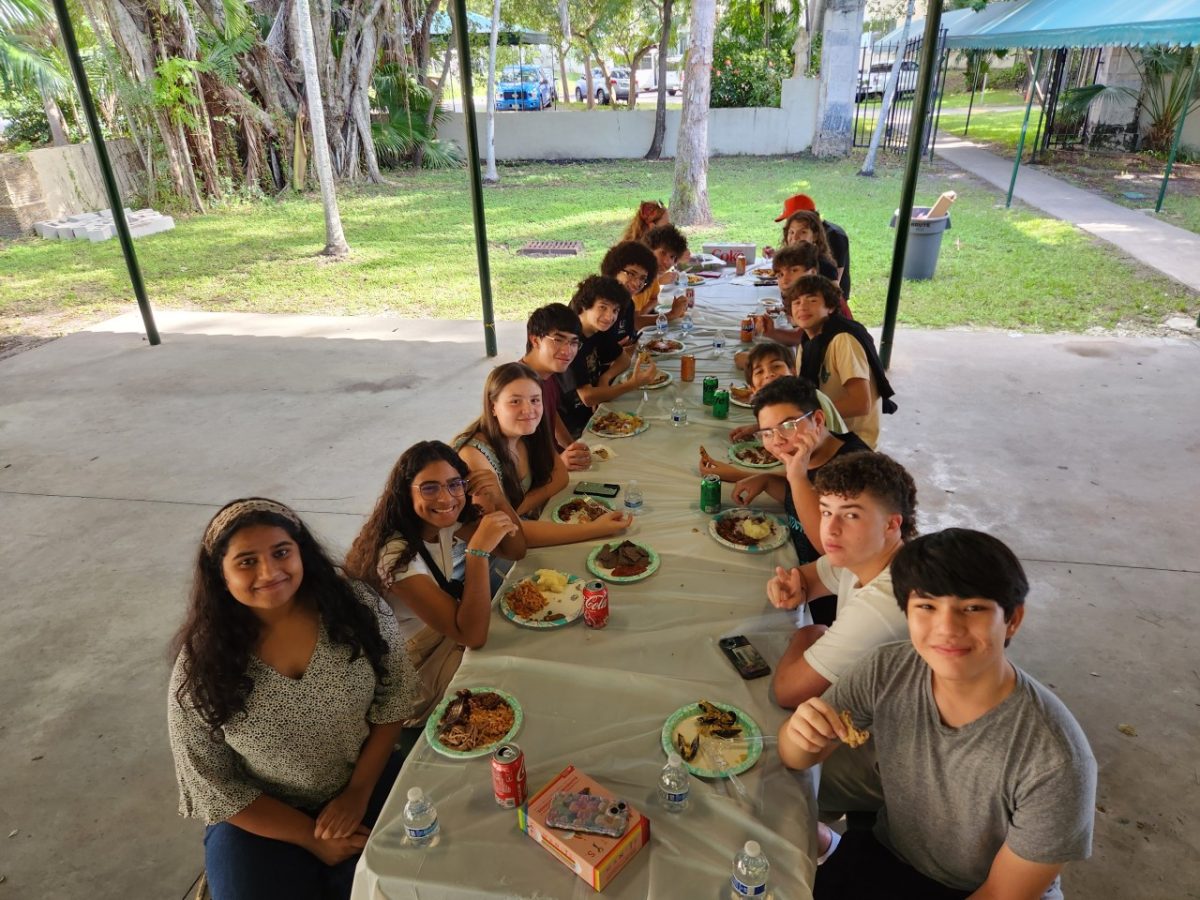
point(427, 547)
point(512, 439)
point(288, 693)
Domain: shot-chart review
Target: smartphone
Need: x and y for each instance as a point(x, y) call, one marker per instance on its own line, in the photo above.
point(596, 489)
point(745, 658)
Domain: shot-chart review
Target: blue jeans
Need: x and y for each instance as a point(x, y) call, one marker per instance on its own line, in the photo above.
point(245, 866)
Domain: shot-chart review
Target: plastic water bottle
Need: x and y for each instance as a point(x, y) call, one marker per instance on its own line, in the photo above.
point(660, 324)
point(687, 324)
point(420, 820)
point(633, 498)
point(674, 785)
point(718, 344)
point(750, 869)
point(678, 413)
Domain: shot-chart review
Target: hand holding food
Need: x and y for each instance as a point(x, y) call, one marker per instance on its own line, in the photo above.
point(788, 589)
point(748, 488)
point(742, 433)
point(614, 521)
point(708, 465)
point(643, 372)
point(491, 530)
point(815, 725)
point(577, 456)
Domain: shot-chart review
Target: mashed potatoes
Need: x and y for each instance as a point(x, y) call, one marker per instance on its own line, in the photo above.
point(756, 529)
point(550, 580)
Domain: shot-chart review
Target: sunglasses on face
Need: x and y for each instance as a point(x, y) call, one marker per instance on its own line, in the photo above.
point(455, 487)
point(784, 429)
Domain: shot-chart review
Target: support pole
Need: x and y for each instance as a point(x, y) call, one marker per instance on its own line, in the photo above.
point(941, 92)
point(459, 8)
point(974, 84)
point(1037, 65)
point(916, 130)
point(1187, 101)
point(106, 171)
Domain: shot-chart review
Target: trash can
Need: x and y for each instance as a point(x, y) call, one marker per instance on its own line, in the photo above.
point(924, 243)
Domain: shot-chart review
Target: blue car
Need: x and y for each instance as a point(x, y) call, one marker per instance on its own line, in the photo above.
point(524, 87)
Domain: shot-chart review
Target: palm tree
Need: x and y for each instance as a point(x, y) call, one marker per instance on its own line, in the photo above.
point(28, 59)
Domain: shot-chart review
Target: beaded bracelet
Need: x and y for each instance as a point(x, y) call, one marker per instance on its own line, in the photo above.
point(471, 551)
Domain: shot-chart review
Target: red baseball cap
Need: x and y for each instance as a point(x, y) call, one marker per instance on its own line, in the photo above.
point(795, 204)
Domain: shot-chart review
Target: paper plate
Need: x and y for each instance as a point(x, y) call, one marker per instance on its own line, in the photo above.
point(567, 606)
point(739, 753)
point(601, 572)
point(676, 347)
point(694, 281)
point(741, 445)
point(555, 516)
point(431, 726)
point(778, 539)
point(744, 404)
point(606, 434)
point(654, 385)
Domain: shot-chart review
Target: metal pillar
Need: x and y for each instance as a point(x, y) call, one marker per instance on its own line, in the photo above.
point(1162, 190)
point(459, 10)
point(1037, 65)
point(971, 102)
point(916, 127)
point(106, 171)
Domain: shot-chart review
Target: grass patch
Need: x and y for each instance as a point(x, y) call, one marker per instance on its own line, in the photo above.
point(1001, 130)
point(413, 251)
point(982, 99)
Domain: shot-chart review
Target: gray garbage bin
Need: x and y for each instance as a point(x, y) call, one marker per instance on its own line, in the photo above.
point(924, 243)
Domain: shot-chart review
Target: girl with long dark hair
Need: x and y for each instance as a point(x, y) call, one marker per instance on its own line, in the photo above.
point(287, 696)
point(427, 548)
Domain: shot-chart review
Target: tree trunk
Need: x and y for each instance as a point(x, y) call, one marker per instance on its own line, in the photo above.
point(660, 108)
point(54, 116)
point(563, 49)
point(589, 83)
point(491, 176)
point(839, 77)
point(889, 90)
point(335, 240)
point(689, 199)
point(434, 102)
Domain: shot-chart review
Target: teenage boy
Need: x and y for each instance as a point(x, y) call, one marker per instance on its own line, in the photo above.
point(634, 265)
point(838, 355)
point(552, 339)
point(989, 781)
point(668, 245)
point(765, 363)
point(835, 235)
point(868, 506)
point(599, 302)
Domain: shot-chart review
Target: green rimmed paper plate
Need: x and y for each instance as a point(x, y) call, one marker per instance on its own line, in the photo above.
point(745, 445)
point(596, 569)
point(556, 515)
point(739, 754)
point(664, 378)
point(562, 609)
point(776, 539)
point(431, 726)
point(641, 426)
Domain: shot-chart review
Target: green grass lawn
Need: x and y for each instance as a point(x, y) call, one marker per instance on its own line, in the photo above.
point(982, 99)
point(1002, 130)
point(413, 251)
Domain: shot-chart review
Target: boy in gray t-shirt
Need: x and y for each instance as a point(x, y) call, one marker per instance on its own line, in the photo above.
point(988, 781)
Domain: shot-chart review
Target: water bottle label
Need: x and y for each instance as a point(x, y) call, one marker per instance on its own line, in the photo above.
point(674, 798)
point(676, 417)
point(747, 890)
point(417, 833)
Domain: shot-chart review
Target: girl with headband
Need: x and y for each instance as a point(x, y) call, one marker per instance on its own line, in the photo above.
point(288, 693)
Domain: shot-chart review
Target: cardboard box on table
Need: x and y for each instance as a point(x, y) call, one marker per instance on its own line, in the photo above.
point(730, 251)
point(593, 857)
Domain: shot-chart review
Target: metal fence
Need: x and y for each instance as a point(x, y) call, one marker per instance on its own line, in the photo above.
point(875, 65)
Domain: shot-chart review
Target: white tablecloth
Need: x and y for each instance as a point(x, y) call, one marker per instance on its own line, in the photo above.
point(597, 699)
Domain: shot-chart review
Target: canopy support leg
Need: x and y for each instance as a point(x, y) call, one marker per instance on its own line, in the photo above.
point(1162, 190)
point(1037, 65)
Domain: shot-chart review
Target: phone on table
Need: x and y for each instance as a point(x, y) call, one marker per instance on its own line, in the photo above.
point(748, 661)
point(598, 489)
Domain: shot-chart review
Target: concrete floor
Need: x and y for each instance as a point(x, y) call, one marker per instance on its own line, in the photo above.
point(1082, 453)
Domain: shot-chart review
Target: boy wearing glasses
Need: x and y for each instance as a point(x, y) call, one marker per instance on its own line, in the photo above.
point(553, 336)
point(868, 505)
point(634, 265)
point(668, 245)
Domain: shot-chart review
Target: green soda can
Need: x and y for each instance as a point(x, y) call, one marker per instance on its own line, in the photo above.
point(720, 404)
point(710, 494)
point(710, 388)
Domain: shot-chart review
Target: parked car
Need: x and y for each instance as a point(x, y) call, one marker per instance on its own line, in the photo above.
point(872, 82)
point(524, 87)
point(618, 83)
point(598, 86)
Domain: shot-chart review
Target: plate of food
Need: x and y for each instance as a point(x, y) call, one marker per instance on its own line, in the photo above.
point(623, 562)
point(763, 273)
point(617, 425)
point(747, 530)
point(694, 280)
point(740, 395)
point(580, 510)
point(715, 740)
point(546, 599)
point(753, 455)
point(471, 723)
point(662, 346)
point(661, 380)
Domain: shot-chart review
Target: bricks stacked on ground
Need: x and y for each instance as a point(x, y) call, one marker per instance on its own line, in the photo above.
point(99, 226)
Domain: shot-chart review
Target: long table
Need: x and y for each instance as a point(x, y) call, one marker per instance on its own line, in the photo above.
point(597, 699)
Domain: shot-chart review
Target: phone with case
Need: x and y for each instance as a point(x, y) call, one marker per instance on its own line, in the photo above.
point(598, 489)
point(748, 661)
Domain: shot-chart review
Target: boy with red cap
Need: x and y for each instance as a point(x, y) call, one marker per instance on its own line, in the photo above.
point(839, 241)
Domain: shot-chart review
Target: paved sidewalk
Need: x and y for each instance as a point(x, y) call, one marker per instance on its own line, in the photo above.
point(1173, 251)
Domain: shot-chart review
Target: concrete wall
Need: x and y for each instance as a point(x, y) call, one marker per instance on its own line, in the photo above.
point(626, 134)
point(60, 181)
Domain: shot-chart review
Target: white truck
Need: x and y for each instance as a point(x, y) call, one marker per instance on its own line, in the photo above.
point(647, 73)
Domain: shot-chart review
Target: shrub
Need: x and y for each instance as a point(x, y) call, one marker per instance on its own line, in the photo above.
point(747, 76)
point(1012, 79)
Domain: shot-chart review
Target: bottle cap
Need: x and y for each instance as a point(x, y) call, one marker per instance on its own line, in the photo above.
point(752, 848)
point(416, 794)
point(674, 759)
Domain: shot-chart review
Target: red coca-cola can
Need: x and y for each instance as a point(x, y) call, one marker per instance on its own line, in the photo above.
point(595, 604)
point(691, 298)
point(508, 776)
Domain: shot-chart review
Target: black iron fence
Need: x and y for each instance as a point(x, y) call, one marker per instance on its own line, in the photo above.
point(874, 69)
